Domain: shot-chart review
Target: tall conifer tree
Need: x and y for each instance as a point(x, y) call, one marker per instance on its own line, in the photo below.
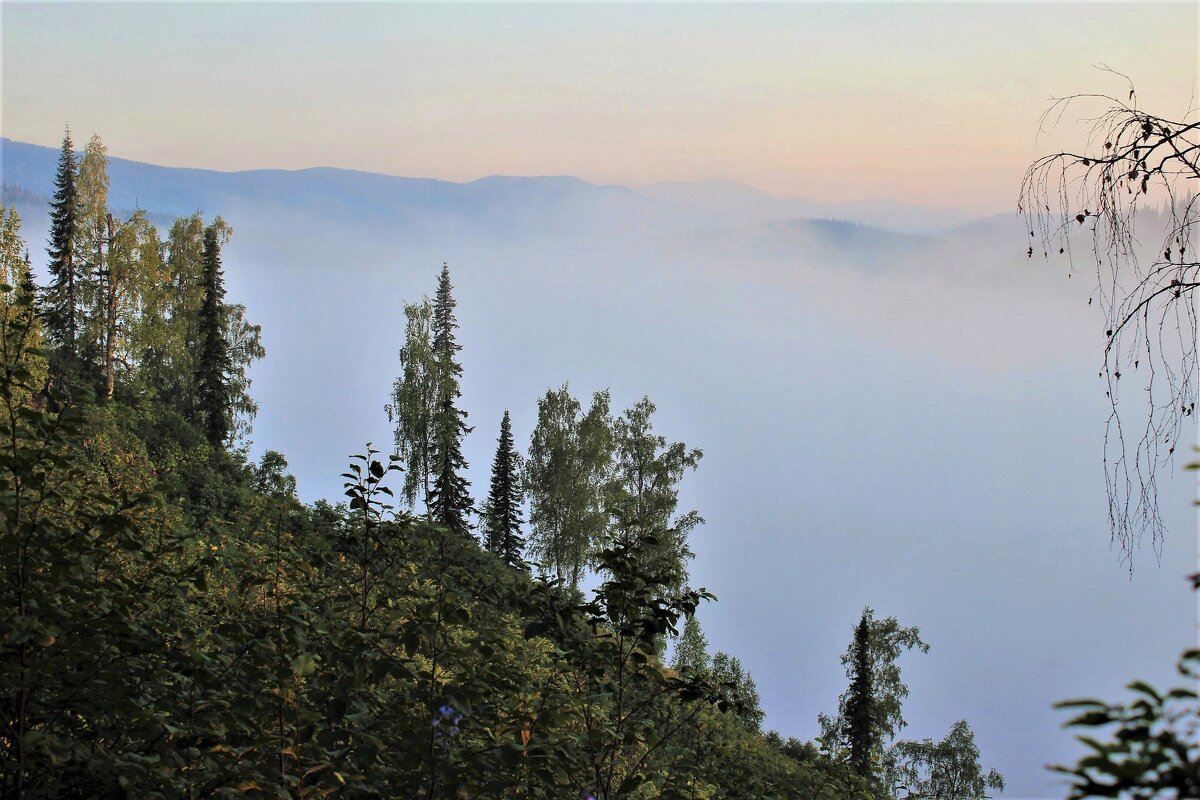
point(861, 731)
point(212, 390)
point(19, 322)
point(61, 308)
point(870, 711)
point(502, 511)
point(450, 501)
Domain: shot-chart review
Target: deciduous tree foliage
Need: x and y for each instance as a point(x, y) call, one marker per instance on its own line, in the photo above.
point(644, 493)
point(132, 260)
point(738, 689)
point(945, 770)
point(119, 262)
point(870, 711)
point(1154, 749)
point(413, 399)
point(1107, 188)
point(169, 332)
point(93, 238)
point(690, 654)
point(565, 476)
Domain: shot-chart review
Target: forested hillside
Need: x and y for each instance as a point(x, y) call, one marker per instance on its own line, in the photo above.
point(178, 624)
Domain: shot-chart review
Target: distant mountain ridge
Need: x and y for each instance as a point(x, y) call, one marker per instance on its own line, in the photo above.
point(353, 193)
point(182, 190)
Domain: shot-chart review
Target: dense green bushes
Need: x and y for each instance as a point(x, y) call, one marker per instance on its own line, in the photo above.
point(177, 625)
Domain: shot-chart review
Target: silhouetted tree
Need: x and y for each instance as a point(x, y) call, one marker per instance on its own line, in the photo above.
point(450, 502)
point(861, 732)
point(502, 511)
point(212, 388)
point(876, 694)
point(61, 307)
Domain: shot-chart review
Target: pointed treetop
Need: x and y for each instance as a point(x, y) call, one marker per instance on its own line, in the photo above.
point(450, 500)
point(502, 510)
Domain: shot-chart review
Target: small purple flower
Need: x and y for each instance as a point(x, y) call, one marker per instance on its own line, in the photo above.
point(448, 715)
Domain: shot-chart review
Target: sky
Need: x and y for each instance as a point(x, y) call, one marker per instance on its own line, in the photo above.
point(925, 103)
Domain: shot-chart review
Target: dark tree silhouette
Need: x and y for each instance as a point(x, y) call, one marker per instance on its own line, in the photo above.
point(450, 501)
point(61, 307)
point(502, 510)
point(862, 733)
point(213, 368)
point(1136, 171)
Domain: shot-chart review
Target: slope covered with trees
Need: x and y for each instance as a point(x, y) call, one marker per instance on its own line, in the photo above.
point(177, 624)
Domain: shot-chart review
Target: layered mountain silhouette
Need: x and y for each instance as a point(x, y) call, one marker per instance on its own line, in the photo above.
point(176, 191)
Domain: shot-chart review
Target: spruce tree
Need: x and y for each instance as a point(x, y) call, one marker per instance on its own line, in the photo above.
point(502, 512)
point(212, 389)
point(450, 502)
point(61, 308)
point(20, 326)
point(861, 730)
point(26, 283)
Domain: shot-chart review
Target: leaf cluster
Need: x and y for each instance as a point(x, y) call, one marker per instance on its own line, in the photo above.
point(1152, 743)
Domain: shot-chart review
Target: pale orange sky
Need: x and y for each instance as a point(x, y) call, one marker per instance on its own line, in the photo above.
point(927, 103)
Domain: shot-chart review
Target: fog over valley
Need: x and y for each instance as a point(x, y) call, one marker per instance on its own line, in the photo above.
point(897, 408)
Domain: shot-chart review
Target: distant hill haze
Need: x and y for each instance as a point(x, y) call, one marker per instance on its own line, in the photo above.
point(738, 200)
point(174, 190)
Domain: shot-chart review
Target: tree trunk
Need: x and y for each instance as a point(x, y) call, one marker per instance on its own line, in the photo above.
point(110, 333)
